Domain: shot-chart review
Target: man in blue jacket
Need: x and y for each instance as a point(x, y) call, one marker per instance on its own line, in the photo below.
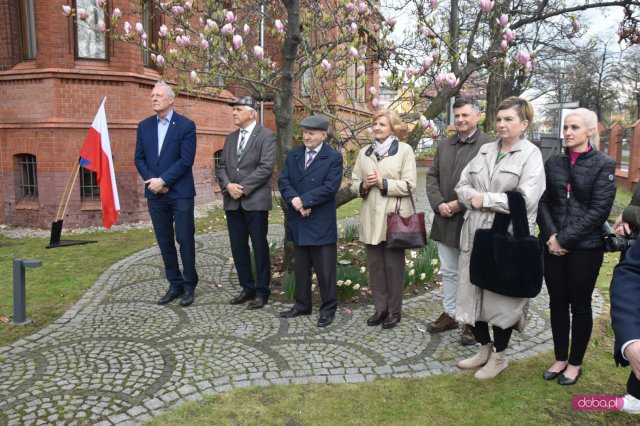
point(165, 151)
point(625, 321)
point(309, 183)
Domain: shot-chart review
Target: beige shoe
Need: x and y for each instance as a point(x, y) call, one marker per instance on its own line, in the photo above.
point(497, 364)
point(479, 359)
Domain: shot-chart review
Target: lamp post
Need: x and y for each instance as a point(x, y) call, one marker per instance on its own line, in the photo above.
point(19, 289)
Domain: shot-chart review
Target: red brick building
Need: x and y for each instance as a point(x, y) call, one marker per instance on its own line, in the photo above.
point(51, 85)
point(53, 76)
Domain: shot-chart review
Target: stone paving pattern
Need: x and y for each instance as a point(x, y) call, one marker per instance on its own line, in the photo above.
point(116, 357)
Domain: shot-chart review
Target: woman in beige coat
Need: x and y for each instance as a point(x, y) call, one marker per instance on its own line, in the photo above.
point(511, 163)
point(381, 175)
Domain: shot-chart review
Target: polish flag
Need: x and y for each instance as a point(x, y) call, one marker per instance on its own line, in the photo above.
point(95, 155)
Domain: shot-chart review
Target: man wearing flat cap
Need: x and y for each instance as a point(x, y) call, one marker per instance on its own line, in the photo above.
point(244, 174)
point(309, 183)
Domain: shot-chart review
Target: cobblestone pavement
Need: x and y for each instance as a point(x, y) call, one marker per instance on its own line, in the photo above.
point(117, 357)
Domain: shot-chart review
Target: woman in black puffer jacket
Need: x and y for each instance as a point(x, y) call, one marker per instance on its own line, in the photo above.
point(580, 191)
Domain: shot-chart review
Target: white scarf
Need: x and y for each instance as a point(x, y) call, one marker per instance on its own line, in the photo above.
point(381, 149)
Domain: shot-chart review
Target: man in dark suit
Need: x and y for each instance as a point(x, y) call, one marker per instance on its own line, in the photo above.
point(165, 151)
point(625, 321)
point(308, 184)
point(244, 174)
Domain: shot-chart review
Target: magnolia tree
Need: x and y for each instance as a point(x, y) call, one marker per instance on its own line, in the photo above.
point(492, 45)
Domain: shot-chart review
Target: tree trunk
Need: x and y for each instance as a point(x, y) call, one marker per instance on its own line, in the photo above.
point(283, 107)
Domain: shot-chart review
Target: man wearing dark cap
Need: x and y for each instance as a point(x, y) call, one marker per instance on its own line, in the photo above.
point(244, 174)
point(309, 183)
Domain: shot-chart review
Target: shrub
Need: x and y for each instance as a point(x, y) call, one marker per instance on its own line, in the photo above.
point(421, 265)
point(289, 286)
point(351, 232)
point(351, 281)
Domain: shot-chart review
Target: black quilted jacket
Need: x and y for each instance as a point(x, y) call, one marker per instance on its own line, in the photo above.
point(577, 217)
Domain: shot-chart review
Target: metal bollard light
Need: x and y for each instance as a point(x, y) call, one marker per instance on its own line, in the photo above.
point(19, 289)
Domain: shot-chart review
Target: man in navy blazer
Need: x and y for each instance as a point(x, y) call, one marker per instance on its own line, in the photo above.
point(625, 321)
point(309, 183)
point(165, 152)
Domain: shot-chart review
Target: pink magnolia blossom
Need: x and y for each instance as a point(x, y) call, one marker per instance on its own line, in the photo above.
point(186, 39)
point(426, 61)
point(193, 77)
point(353, 28)
point(66, 10)
point(435, 56)
point(83, 14)
point(227, 29)
point(139, 28)
point(163, 31)
point(177, 10)
point(204, 44)
point(486, 5)
point(187, 5)
point(439, 79)
point(373, 91)
point(117, 13)
point(409, 72)
point(326, 65)
point(507, 62)
point(362, 8)
point(349, 7)
point(230, 17)
point(503, 20)
point(433, 129)
point(173, 51)
point(424, 122)
point(391, 22)
point(178, 30)
point(100, 3)
point(509, 35)
point(433, 3)
point(375, 103)
point(144, 37)
point(211, 25)
point(523, 57)
point(279, 26)
point(361, 69)
point(451, 81)
point(127, 28)
point(246, 29)
point(102, 27)
point(575, 25)
point(160, 60)
point(258, 51)
point(153, 57)
point(353, 52)
point(237, 41)
point(528, 65)
point(179, 41)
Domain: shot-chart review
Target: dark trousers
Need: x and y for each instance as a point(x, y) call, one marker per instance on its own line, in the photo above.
point(501, 336)
point(633, 386)
point(165, 214)
point(386, 276)
point(570, 280)
point(323, 259)
point(242, 225)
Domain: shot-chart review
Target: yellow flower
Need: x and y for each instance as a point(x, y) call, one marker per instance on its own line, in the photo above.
point(434, 262)
point(347, 283)
point(410, 265)
point(412, 272)
point(414, 254)
point(314, 277)
point(435, 271)
point(423, 276)
point(340, 282)
point(363, 269)
point(356, 287)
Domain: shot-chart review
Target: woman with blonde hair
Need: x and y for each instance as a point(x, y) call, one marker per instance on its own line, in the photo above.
point(382, 175)
point(580, 191)
point(510, 164)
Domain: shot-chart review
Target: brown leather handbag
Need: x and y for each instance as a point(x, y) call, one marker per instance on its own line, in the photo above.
point(406, 232)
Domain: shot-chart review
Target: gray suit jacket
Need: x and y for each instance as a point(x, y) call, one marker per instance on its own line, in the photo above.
point(253, 171)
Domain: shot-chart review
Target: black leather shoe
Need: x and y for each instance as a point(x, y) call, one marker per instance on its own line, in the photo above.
point(187, 298)
point(391, 320)
point(325, 321)
point(241, 298)
point(568, 382)
point(257, 303)
point(293, 312)
point(552, 375)
point(169, 297)
point(376, 319)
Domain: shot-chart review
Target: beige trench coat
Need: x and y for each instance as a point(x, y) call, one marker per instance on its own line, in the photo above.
point(397, 168)
point(521, 169)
